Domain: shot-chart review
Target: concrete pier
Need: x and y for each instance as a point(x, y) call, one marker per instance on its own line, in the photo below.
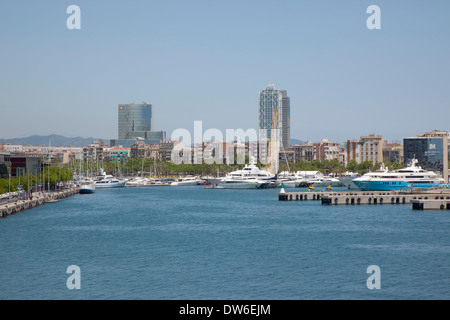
point(320, 196)
point(304, 195)
point(431, 204)
point(362, 198)
point(38, 199)
point(437, 198)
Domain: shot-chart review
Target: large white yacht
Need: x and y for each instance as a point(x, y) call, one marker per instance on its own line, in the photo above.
point(136, 182)
point(104, 180)
point(250, 177)
point(307, 178)
point(290, 179)
point(326, 181)
point(187, 181)
point(408, 178)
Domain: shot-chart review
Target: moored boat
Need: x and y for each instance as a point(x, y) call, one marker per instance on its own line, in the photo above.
point(86, 186)
point(104, 180)
point(408, 178)
point(250, 177)
point(187, 181)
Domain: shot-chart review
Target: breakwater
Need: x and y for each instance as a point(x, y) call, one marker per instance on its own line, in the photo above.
point(37, 199)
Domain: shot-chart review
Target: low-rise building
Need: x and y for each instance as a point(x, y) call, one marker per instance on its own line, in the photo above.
point(117, 153)
point(393, 152)
point(21, 165)
point(5, 164)
point(94, 152)
point(304, 152)
point(371, 148)
point(327, 150)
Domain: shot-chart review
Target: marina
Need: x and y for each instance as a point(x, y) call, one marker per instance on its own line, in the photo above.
point(193, 243)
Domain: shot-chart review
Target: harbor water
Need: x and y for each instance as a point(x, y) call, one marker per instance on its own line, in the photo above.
point(195, 243)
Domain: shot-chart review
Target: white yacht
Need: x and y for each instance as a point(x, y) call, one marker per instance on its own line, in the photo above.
point(308, 178)
point(86, 185)
point(156, 182)
point(290, 179)
point(326, 181)
point(187, 181)
point(136, 182)
point(347, 178)
point(104, 180)
point(250, 177)
point(408, 178)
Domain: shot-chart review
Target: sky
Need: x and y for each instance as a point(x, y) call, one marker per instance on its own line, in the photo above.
point(207, 61)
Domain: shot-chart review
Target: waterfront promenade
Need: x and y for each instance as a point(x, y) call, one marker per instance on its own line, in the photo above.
point(37, 199)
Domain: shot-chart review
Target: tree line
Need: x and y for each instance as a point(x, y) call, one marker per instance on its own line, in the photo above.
point(49, 177)
point(137, 167)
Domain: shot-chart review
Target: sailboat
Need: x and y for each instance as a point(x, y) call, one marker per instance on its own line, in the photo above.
point(85, 183)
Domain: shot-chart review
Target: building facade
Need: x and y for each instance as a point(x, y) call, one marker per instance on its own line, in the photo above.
point(352, 151)
point(95, 152)
point(21, 165)
point(117, 154)
point(431, 150)
point(327, 150)
point(393, 152)
point(153, 137)
point(161, 151)
point(371, 148)
point(304, 152)
point(5, 164)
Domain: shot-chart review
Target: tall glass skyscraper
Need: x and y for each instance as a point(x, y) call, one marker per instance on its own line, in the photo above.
point(286, 120)
point(135, 120)
point(269, 101)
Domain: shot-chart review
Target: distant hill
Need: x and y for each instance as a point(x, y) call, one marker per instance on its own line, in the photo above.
point(296, 141)
point(55, 140)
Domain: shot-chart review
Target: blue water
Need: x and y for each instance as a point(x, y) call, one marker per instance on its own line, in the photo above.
point(194, 243)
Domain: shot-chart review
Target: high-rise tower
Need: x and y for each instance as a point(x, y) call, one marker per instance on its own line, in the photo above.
point(269, 101)
point(135, 120)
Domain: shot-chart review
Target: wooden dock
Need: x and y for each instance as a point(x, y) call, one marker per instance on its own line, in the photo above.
point(38, 199)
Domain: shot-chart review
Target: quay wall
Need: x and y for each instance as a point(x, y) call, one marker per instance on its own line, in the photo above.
point(421, 200)
point(38, 199)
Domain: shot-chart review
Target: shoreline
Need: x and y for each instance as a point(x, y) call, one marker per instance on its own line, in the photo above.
point(39, 198)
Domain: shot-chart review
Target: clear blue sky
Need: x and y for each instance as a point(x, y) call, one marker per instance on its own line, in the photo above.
point(207, 60)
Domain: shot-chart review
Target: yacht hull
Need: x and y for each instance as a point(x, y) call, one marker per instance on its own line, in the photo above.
point(87, 190)
point(110, 185)
point(392, 185)
point(240, 185)
point(328, 183)
point(195, 183)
